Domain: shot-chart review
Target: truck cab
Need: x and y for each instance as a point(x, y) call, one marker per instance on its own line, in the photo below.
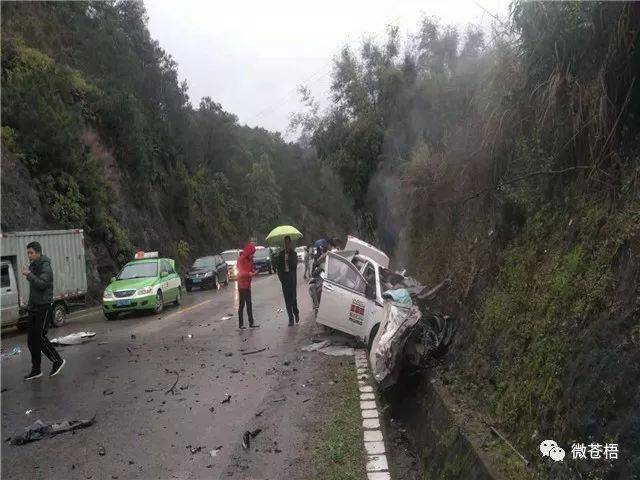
point(351, 290)
point(9, 299)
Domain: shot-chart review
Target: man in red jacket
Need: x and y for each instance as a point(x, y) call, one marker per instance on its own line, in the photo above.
point(245, 272)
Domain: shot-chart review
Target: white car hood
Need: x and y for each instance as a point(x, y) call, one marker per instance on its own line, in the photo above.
point(367, 250)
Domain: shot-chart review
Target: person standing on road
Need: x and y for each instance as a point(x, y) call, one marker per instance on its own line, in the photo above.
point(245, 272)
point(286, 265)
point(40, 278)
point(307, 262)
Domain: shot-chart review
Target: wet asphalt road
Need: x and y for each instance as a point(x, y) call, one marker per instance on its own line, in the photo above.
point(120, 378)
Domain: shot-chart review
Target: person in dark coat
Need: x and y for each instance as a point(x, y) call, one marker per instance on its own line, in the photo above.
point(245, 273)
point(286, 266)
point(40, 278)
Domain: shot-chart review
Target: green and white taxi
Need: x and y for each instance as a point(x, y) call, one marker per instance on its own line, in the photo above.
point(146, 283)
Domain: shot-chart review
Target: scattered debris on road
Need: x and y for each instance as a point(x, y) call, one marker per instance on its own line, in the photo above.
point(133, 337)
point(247, 436)
point(316, 346)
point(28, 412)
point(226, 317)
point(214, 452)
point(327, 348)
point(174, 383)
point(194, 450)
point(254, 351)
point(73, 338)
point(101, 451)
point(16, 350)
point(39, 429)
point(107, 392)
point(227, 399)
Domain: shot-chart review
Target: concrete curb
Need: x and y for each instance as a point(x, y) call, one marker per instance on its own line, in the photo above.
point(377, 465)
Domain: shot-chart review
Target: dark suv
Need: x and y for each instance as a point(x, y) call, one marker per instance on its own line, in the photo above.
point(207, 272)
point(262, 260)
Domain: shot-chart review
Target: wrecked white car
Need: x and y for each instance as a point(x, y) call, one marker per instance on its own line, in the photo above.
point(385, 310)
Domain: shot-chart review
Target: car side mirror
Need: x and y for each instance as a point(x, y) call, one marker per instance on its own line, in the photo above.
point(113, 279)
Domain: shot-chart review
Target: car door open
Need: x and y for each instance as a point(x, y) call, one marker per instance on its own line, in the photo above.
point(343, 301)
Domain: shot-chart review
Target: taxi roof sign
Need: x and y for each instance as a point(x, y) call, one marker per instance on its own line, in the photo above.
point(141, 255)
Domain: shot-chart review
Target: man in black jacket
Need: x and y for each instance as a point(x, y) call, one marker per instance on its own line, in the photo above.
point(286, 266)
point(40, 277)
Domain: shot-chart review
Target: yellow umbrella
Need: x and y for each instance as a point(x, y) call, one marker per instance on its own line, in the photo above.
point(276, 237)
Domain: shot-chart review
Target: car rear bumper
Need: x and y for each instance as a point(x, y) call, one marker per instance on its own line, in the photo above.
point(201, 282)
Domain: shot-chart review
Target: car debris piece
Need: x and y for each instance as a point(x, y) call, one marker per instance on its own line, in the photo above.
point(246, 440)
point(226, 317)
point(254, 351)
point(107, 392)
point(73, 338)
point(174, 383)
point(214, 452)
point(16, 350)
point(227, 399)
point(133, 337)
point(101, 451)
point(39, 429)
point(194, 450)
point(316, 346)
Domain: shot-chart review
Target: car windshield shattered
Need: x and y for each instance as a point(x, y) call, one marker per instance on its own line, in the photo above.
point(139, 270)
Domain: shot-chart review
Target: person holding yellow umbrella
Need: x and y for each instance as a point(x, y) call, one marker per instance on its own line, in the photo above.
point(286, 265)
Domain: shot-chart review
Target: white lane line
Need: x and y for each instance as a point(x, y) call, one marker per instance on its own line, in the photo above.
point(372, 436)
point(367, 405)
point(374, 448)
point(377, 465)
point(370, 413)
point(378, 476)
point(370, 423)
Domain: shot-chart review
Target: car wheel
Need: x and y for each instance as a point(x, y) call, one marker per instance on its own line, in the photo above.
point(59, 315)
point(111, 315)
point(372, 336)
point(178, 297)
point(159, 302)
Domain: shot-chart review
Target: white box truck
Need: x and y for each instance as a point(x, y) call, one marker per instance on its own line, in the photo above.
point(65, 248)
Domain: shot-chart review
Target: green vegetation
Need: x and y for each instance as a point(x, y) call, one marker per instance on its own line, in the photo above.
point(92, 106)
point(339, 454)
point(509, 163)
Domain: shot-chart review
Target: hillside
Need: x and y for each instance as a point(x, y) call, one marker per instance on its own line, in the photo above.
point(97, 133)
point(509, 162)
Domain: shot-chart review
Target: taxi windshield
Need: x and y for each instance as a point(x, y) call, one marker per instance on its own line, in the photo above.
point(139, 270)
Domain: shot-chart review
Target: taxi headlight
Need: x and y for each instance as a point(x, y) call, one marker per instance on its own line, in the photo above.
point(108, 294)
point(145, 291)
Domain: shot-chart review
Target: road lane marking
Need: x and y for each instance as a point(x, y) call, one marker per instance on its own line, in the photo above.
point(377, 465)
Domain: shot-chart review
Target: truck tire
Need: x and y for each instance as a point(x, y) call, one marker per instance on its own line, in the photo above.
point(111, 315)
point(58, 315)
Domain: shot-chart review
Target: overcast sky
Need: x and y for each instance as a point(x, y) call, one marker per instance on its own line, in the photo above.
point(251, 56)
